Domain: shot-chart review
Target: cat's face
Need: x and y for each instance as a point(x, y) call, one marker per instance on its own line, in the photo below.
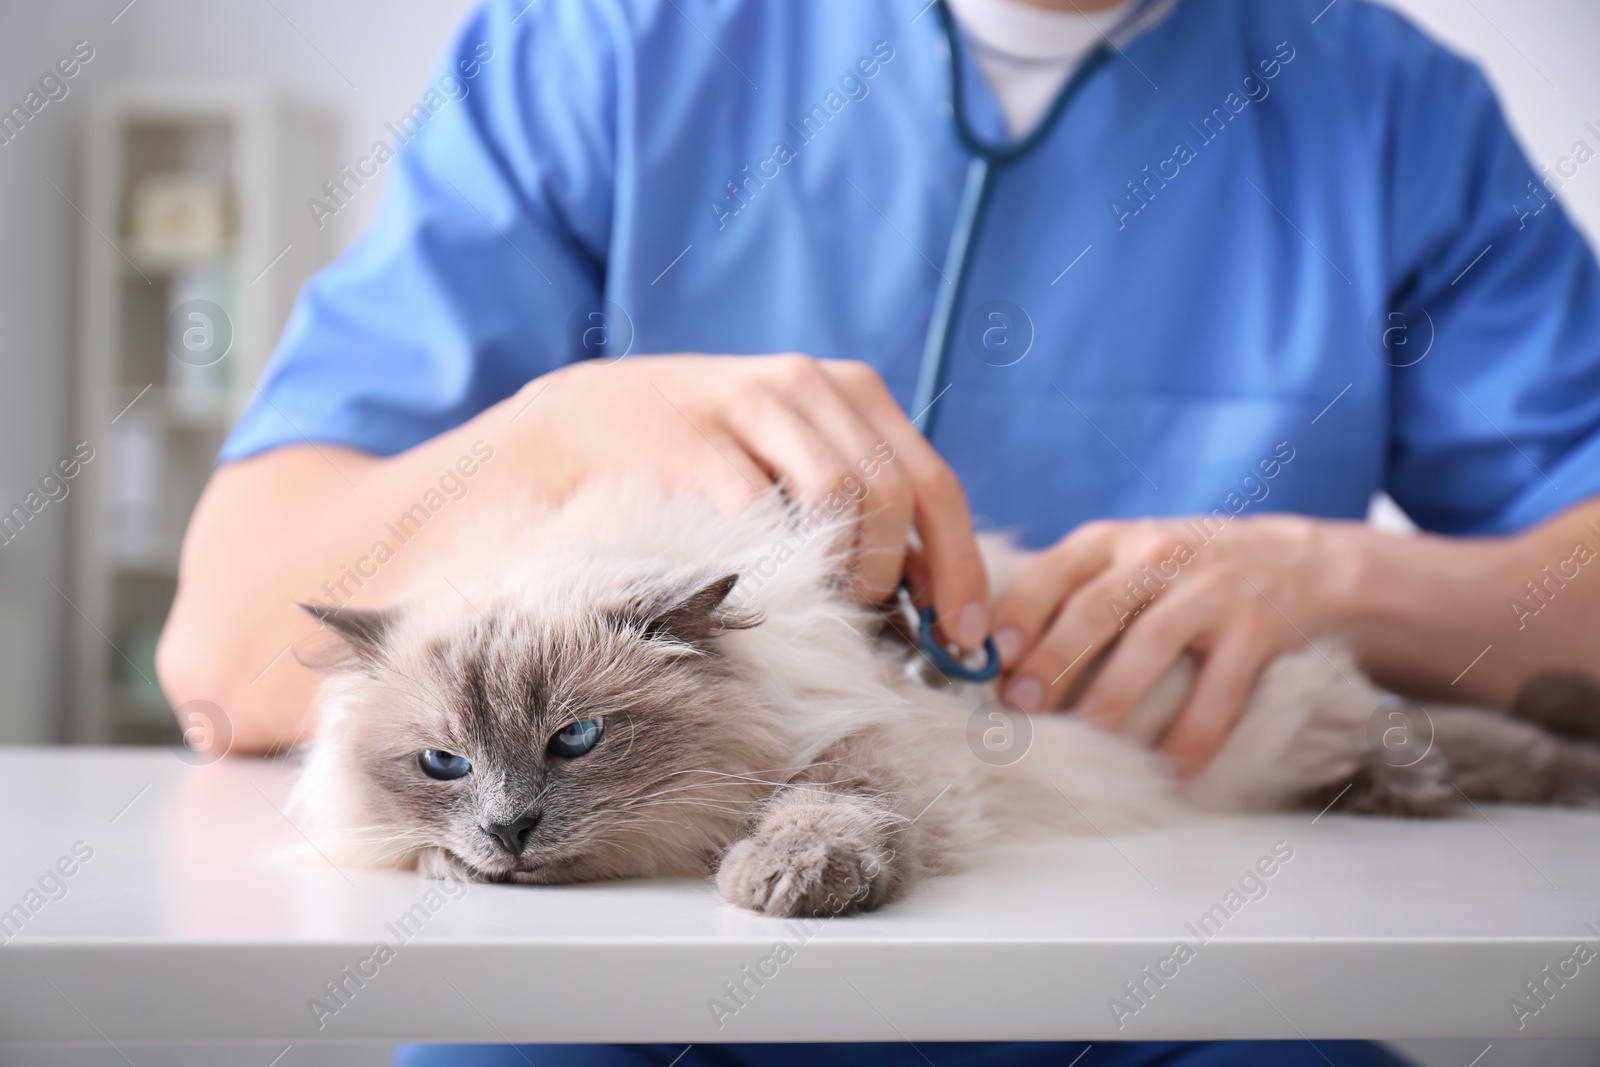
point(550, 742)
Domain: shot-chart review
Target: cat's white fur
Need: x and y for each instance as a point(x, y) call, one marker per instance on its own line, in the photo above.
point(824, 678)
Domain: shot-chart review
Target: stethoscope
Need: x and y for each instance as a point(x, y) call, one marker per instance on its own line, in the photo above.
point(988, 160)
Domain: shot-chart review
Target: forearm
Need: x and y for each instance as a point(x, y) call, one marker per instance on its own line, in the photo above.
point(1472, 619)
point(304, 524)
point(315, 523)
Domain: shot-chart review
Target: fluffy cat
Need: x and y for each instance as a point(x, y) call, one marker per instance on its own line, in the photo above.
point(635, 684)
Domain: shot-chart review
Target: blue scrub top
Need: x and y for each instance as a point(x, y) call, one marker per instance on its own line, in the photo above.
point(1269, 257)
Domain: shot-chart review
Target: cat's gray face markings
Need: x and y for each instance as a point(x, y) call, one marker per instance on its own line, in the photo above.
point(496, 690)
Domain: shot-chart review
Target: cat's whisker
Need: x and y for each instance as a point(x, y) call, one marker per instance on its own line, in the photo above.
point(700, 818)
point(743, 777)
point(377, 833)
point(689, 802)
point(638, 825)
point(391, 839)
point(705, 805)
point(692, 788)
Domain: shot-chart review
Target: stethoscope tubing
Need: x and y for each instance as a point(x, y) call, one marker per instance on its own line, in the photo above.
point(987, 160)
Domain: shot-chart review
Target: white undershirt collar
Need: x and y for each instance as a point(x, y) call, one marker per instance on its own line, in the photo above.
point(1027, 53)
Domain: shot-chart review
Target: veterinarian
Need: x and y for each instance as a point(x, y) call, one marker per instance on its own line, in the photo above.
point(1173, 287)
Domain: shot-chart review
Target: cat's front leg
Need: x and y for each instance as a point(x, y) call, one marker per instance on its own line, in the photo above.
point(816, 851)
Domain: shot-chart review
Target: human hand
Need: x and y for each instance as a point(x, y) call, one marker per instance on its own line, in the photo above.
point(1258, 587)
point(829, 430)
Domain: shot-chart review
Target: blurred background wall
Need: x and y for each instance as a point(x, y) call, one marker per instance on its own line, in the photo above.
point(361, 63)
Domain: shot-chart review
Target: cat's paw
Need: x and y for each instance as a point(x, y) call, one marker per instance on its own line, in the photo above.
point(798, 872)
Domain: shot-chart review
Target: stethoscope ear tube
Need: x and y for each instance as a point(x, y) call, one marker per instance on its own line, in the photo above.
point(931, 386)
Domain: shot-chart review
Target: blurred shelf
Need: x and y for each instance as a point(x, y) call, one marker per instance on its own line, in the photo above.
point(195, 183)
point(161, 561)
point(154, 732)
point(143, 703)
point(153, 262)
point(215, 411)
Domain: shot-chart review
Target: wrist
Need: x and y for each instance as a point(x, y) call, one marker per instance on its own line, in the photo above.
point(1346, 587)
point(1416, 606)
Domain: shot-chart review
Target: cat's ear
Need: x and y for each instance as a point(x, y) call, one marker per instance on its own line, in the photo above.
point(696, 611)
point(362, 630)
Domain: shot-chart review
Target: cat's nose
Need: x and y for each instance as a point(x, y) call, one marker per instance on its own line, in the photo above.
point(513, 836)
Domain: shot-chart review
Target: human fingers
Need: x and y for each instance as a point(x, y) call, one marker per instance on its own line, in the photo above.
point(1082, 625)
point(784, 443)
point(918, 576)
point(1218, 698)
point(872, 485)
point(1044, 584)
point(960, 586)
point(1148, 648)
point(717, 464)
point(694, 446)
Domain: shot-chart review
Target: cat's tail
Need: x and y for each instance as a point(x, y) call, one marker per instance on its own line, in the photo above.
point(1564, 703)
point(1545, 751)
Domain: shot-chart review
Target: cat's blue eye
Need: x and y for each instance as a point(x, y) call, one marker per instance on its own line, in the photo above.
point(576, 740)
point(445, 766)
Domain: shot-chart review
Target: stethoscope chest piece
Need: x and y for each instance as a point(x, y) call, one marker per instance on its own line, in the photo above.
point(947, 664)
